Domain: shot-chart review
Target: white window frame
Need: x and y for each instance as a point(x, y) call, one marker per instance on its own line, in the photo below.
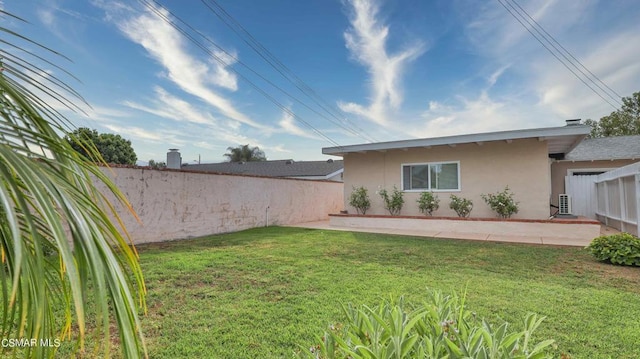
point(402, 166)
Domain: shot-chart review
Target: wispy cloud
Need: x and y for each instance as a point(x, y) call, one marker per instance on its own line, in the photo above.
point(468, 115)
point(166, 45)
point(367, 40)
point(173, 108)
point(209, 128)
point(288, 125)
point(551, 88)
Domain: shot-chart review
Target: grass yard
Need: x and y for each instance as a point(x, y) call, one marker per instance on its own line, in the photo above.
point(259, 293)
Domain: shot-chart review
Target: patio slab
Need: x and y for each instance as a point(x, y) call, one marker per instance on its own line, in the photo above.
point(557, 240)
point(515, 239)
point(460, 235)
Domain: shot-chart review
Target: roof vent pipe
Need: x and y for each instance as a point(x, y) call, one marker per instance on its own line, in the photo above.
point(574, 122)
point(174, 160)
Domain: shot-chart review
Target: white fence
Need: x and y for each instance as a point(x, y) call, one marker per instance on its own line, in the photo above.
point(584, 197)
point(618, 198)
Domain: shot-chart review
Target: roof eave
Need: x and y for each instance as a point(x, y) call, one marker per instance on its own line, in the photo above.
point(577, 130)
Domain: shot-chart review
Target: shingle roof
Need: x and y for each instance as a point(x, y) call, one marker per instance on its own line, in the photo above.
point(606, 148)
point(280, 168)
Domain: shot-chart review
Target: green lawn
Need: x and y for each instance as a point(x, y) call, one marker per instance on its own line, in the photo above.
point(259, 293)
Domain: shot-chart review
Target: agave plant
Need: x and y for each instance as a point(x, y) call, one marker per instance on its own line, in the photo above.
point(62, 245)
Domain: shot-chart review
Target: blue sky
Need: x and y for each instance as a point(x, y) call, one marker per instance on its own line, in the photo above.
point(385, 70)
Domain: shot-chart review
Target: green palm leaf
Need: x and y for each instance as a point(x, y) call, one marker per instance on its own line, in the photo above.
point(62, 244)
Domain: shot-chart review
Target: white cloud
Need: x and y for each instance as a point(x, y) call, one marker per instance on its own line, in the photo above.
point(530, 88)
point(47, 17)
point(288, 125)
point(481, 114)
point(367, 40)
point(173, 108)
point(157, 136)
point(209, 129)
point(223, 77)
point(562, 91)
point(166, 45)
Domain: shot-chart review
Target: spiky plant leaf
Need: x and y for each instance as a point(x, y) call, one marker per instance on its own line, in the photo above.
point(61, 241)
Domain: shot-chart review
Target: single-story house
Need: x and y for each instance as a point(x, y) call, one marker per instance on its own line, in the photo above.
point(330, 170)
point(593, 156)
point(466, 166)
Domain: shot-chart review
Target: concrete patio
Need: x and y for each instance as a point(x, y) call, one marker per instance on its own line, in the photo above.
point(477, 236)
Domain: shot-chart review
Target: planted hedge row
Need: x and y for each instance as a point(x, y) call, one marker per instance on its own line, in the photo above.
point(502, 203)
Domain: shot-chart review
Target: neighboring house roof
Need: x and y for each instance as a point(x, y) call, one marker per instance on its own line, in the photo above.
point(606, 148)
point(560, 140)
point(279, 168)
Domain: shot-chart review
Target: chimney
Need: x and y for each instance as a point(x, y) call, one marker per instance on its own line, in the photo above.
point(174, 160)
point(573, 122)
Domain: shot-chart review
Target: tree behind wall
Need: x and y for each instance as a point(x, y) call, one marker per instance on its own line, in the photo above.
point(245, 153)
point(113, 148)
point(622, 122)
point(157, 165)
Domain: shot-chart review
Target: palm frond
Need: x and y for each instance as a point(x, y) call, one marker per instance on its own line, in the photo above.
point(61, 240)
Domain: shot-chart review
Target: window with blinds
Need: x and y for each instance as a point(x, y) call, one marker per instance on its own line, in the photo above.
point(437, 176)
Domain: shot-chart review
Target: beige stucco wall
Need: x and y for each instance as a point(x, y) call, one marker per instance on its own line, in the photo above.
point(559, 169)
point(174, 205)
point(484, 168)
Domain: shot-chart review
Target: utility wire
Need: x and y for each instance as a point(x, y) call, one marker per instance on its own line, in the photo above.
point(281, 68)
point(155, 10)
point(235, 59)
point(552, 41)
point(552, 53)
point(617, 95)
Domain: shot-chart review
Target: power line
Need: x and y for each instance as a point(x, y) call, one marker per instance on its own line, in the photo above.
point(280, 89)
point(168, 20)
point(281, 68)
point(566, 52)
point(554, 54)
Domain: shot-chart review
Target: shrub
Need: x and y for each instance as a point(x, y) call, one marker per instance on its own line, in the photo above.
point(428, 203)
point(622, 248)
point(440, 328)
point(502, 203)
point(392, 203)
point(360, 200)
point(462, 206)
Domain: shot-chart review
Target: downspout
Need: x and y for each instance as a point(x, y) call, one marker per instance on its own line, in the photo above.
point(266, 211)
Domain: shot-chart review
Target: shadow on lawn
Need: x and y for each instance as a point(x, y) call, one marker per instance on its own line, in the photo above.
point(241, 238)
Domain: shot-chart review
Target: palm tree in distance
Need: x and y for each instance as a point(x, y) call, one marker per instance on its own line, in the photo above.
point(65, 258)
point(244, 153)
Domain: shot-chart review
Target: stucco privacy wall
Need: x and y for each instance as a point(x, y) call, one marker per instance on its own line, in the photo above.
point(486, 167)
point(175, 205)
point(559, 169)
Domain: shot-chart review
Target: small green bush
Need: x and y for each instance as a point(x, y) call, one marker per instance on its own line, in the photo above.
point(392, 203)
point(359, 199)
point(428, 203)
point(502, 203)
point(622, 248)
point(462, 206)
point(439, 328)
